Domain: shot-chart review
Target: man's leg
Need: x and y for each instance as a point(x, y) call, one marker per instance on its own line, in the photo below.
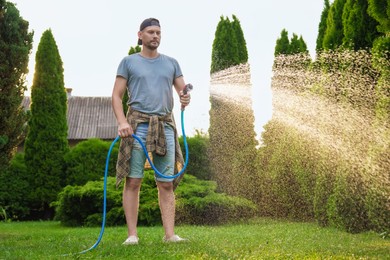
point(167, 207)
point(133, 184)
point(165, 187)
point(131, 204)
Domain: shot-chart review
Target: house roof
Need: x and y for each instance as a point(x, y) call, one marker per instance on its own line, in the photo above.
point(88, 117)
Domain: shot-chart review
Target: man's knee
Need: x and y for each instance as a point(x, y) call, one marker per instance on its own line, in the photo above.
point(165, 186)
point(133, 184)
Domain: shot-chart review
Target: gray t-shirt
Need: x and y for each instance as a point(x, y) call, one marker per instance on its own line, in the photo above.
point(149, 82)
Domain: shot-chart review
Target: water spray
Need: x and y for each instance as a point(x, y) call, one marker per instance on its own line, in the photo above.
point(186, 90)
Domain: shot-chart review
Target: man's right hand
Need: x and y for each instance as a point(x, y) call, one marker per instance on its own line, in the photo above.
point(125, 130)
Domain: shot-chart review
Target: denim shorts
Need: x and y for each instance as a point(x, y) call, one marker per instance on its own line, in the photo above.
point(164, 164)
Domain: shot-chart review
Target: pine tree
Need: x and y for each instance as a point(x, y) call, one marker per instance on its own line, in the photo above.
point(334, 34)
point(282, 44)
point(359, 28)
point(46, 142)
point(242, 49)
point(15, 47)
point(322, 26)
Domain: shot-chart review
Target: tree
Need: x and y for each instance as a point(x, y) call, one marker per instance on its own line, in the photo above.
point(303, 45)
point(380, 11)
point(15, 47)
point(359, 28)
point(295, 45)
point(241, 43)
point(225, 47)
point(322, 26)
point(282, 44)
point(334, 33)
point(46, 142)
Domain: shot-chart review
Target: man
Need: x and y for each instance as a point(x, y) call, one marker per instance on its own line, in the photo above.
point(148, 76)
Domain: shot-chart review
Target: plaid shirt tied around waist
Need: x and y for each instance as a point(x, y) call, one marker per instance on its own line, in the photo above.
point(155, 142)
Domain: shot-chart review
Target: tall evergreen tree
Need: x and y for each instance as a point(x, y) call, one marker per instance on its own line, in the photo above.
point(380, 11)
point(15, 47)
point(322, 26)
point(282, 44)
point(303, 45)
point(360, 29)
point(225, 47)
point(295, 45)
point(46, 142)
point(241, 43)
point(334, 33)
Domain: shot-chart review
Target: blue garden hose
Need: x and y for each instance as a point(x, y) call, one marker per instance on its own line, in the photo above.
point(150, 162)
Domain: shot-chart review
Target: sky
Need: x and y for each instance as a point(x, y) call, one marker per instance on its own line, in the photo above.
point(94, 35)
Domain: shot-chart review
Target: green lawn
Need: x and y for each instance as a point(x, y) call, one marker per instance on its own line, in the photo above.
point(257, 239)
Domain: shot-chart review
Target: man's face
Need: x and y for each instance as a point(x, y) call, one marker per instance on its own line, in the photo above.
point(150, 37)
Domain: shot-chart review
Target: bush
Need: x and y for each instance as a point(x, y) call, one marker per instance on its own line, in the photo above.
point(381, 61)
point(290, 172)
point(198, 163)
point(377, 204)
point(346, 209)
point(82, 205)
point(86, 161)
point(323, 190)
point(15, 192)
point(197, 203)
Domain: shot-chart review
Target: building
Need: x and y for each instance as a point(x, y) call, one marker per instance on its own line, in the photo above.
point(88, 117)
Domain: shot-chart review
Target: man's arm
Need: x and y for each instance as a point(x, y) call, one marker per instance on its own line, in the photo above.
point(124, 129)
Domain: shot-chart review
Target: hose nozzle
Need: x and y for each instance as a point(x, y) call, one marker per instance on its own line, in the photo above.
point(187, 89)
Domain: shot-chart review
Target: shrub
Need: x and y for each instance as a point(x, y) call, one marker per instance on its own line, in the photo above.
point(377, 204)
point(82, 205)
point(322, 192)
point(198, 163)
point(86, 161)
point(346, 209)
point(15, 191)
point(199, 204)
point(381, 61)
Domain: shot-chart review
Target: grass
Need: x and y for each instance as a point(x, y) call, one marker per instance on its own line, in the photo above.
point(256, 239)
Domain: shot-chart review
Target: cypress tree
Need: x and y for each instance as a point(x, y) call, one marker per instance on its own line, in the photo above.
point(15, 47)
point(359, 28)
point(322, 26)
point(303, 45)
point(218, 50)
point(46, 142)
point(380, 11)
point(134, 50)
point(229, 37)
point(295, 45)
point(241, 43)
point(334, 34)
point(225, 47)
point(282, 44)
